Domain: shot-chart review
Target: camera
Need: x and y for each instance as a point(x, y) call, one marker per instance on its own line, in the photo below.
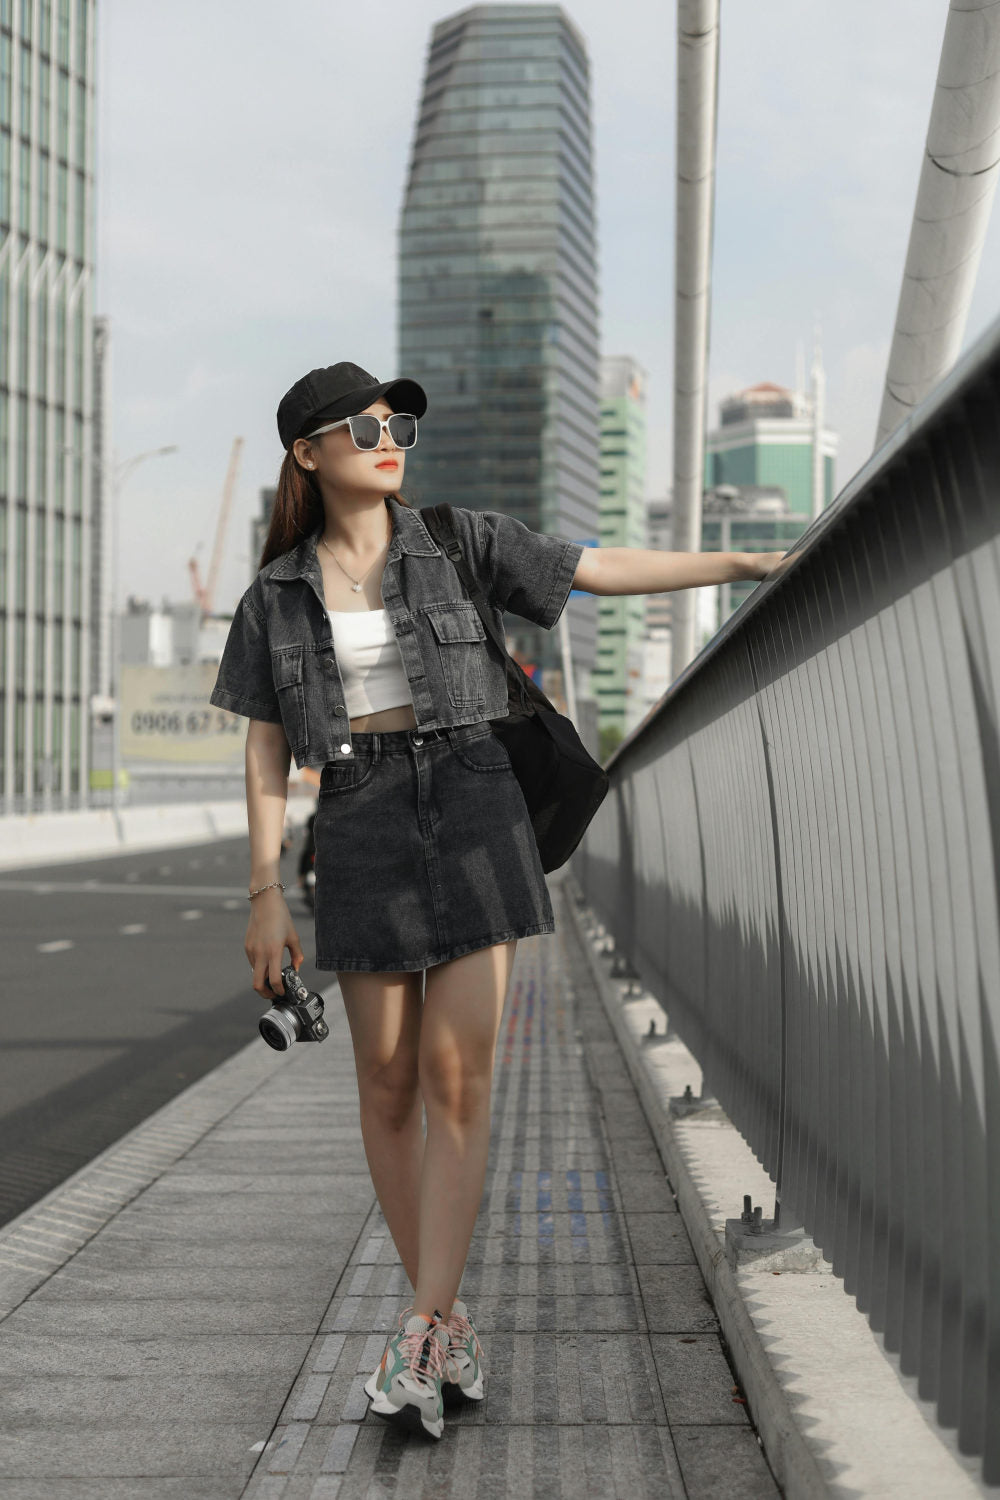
point(296, 1018)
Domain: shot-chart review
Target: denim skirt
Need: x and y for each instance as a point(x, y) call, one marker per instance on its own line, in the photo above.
point(424, 851)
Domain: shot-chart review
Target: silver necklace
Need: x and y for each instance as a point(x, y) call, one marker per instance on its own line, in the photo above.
point(355, 582)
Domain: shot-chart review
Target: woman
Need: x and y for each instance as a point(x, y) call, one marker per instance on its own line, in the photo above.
point(357, 651)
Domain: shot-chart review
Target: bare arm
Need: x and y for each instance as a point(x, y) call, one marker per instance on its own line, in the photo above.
point(648, 570)
point(271, 928)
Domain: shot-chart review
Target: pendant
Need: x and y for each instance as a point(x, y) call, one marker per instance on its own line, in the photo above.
point(356, 587)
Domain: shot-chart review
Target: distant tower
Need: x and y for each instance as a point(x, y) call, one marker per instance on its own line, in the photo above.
point(818, 404)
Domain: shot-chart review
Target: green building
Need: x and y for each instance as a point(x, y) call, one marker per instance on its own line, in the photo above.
point(769, 470)
point(766, 438)
point(621, 620)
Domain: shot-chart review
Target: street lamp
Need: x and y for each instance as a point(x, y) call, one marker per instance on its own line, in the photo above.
point(722, 503)
point(119, 473)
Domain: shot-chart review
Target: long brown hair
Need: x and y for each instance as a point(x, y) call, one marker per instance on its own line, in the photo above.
point(297, 510)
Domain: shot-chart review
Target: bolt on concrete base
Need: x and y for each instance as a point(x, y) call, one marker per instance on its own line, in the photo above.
point(770, 1249)
point(682, 1105)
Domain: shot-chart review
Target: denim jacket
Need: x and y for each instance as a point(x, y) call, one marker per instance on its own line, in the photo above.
point(279, 662)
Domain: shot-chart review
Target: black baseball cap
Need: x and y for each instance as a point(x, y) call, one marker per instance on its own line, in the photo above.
point(340, 390)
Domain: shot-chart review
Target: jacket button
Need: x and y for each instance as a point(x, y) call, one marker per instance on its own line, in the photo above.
point(328, 661)
point(345, 749)
point(339, 708)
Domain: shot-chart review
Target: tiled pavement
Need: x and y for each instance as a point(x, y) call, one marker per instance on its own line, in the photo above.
point(192, 1348)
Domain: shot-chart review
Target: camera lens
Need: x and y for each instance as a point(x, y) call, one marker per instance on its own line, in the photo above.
point(279, 1028)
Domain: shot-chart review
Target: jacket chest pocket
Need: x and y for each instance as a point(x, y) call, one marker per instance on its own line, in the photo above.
point(286, 669)
point(459, 634)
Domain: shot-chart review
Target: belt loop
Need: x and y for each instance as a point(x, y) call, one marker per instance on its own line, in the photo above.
point(376, 748)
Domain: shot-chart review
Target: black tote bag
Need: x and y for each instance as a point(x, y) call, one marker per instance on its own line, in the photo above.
point(563, 785)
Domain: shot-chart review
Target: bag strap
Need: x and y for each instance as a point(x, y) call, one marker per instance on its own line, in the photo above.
point(442, 529)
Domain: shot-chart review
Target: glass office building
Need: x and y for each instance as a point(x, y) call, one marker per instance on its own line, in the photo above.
point(46, 345)
point(498, 288)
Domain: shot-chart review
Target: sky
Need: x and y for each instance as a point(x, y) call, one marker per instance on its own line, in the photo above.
point(251, 164)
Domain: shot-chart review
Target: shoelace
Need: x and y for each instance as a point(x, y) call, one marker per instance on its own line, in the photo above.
point(423, 1352)
point(460, 1330)
point(425, 1355)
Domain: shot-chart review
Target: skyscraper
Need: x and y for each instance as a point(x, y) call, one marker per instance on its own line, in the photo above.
point(498, 290)
point(46, 344)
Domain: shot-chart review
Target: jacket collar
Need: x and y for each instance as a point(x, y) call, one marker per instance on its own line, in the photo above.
point(409, 534)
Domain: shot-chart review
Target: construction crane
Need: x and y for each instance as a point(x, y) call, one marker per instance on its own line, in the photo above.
point(204, 593)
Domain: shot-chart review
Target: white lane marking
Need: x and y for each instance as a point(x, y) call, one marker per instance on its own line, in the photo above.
point(190, 916)
point(112, 888)
point(55, 947)
point(132, 875)
point(164, 869)
point(195, 864)
point(231, 905)
point(132, 927)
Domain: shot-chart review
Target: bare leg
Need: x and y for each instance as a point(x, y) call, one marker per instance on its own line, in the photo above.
point(383, 1011)
point(463, 1005)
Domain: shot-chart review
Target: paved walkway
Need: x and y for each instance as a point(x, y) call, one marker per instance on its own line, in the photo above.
point(191, 1348)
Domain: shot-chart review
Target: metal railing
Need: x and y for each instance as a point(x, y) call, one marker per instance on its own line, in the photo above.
point(800, 857)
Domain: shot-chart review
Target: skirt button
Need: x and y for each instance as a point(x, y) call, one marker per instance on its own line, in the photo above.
point(417, 740)
point(345, 749)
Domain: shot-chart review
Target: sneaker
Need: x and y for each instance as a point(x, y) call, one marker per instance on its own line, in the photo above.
point(406, 1387)
point(465, 1376)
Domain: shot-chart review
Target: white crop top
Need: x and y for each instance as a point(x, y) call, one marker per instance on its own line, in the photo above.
point(371, 666)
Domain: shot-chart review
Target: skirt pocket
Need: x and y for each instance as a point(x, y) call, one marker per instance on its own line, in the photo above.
point(338, 777)
point(482, 752)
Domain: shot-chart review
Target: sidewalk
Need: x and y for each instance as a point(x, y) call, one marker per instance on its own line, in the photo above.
point(194, 1313)
point(31, 839)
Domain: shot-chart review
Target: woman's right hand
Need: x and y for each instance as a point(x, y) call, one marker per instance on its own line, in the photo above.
point(270, 931)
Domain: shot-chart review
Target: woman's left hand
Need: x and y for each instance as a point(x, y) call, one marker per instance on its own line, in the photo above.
point(767, 563)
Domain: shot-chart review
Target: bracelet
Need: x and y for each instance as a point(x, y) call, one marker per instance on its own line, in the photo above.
point(267, 887)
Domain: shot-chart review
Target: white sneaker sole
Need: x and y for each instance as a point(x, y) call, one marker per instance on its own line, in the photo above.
point(474, 1392)
point(408, 1415)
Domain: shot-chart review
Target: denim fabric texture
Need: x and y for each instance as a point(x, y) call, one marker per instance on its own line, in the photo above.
point(424, 852)
point(279, 662)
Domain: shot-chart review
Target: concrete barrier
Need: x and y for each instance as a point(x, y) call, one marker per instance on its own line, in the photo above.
point(52, 838)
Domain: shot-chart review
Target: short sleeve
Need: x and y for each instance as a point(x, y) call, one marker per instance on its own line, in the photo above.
point(530, 572)
point(245, 683)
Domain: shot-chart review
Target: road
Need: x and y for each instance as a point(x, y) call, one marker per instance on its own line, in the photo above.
point(125, 981)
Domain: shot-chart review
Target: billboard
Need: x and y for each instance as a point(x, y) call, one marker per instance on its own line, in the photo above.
point(166, 716)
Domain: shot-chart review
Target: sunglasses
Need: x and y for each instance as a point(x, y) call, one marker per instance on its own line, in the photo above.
point(366, 430)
